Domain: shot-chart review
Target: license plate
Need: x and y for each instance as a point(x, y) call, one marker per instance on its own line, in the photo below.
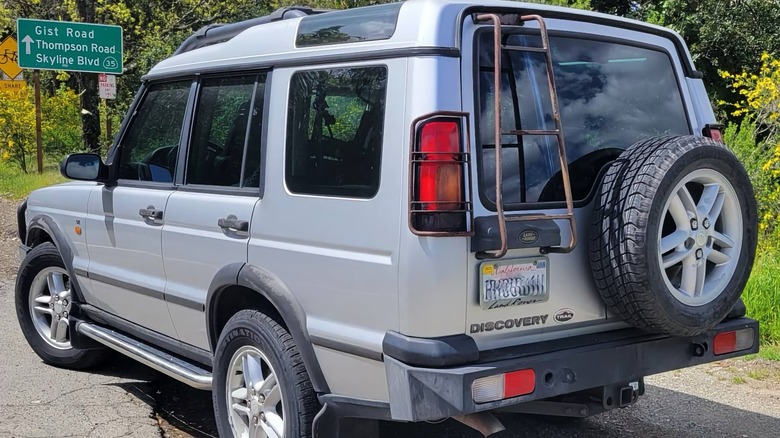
point(516, 282)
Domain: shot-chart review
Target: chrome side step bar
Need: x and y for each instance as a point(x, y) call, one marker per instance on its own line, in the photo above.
point(159, 360)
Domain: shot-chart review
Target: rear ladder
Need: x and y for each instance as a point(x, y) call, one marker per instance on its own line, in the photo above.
point(498, 48)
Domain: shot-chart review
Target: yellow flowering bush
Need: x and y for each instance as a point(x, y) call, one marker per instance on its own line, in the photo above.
point(757, 140)
point(17, 127)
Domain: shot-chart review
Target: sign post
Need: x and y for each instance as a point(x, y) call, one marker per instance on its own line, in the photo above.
point(38, 139)
point(63, 45)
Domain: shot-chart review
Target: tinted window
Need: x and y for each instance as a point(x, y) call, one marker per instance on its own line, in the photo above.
point(227, 123)
point(150, 146)
point(355, 25)
point(611, 96)
point(334, 131)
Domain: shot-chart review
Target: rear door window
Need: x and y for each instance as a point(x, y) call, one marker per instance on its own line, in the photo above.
point(611, 95)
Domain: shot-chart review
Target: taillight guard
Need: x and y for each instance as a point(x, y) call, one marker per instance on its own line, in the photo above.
point(429, 214)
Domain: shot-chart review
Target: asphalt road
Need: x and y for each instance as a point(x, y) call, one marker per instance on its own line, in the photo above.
point(127, 399)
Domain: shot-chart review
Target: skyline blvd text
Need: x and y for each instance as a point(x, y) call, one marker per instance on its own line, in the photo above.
point(68, 46)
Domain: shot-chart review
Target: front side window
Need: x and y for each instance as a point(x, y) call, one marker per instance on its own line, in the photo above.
point(150, 147)
point(611, 95)
point(225, 145)
point(335, 123)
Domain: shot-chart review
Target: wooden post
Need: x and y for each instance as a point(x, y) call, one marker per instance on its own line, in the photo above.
point(38, 140)
point(108, 126)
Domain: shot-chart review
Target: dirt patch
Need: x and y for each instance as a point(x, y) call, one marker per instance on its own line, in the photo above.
point(9, 242)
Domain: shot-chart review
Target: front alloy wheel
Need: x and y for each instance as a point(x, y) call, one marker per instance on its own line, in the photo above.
point(50, 304)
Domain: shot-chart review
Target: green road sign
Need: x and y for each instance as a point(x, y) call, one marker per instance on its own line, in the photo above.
point(63, 45)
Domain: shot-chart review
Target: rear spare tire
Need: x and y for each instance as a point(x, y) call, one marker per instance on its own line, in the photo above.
point(674, 234)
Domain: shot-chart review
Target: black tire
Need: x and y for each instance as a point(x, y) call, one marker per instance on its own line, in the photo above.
point(254, 328)
point(624, 239)
point(39, 258)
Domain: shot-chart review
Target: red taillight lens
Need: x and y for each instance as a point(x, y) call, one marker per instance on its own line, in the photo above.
point(503, 386)
point(714, 132)
point(440, 203)
point(440, 181)
point(730, 342)
point(519, 383)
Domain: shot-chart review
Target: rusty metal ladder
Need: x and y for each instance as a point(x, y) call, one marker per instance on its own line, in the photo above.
point(498, 49)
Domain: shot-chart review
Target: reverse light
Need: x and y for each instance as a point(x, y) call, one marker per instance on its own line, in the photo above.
point(503, 386)
point(730, 342)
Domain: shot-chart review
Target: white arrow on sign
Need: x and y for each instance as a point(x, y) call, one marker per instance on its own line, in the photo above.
point(27, 40)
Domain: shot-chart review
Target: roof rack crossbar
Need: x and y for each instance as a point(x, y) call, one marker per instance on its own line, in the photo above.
point(219, 33)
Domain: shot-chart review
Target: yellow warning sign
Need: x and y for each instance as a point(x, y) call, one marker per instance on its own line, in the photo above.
point(9, 57)
point(12, 85)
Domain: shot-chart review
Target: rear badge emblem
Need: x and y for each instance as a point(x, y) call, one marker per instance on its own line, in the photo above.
point(529, 236)
point(564, 315)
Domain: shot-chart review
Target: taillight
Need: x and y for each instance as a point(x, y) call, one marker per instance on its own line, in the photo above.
point(503, 386)
point(730, 342)
point(440, 180)
point(714, 132)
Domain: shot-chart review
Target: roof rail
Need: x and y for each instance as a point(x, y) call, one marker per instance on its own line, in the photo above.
point(219, 33)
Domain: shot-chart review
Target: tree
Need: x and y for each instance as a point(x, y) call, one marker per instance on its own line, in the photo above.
point(88, 84)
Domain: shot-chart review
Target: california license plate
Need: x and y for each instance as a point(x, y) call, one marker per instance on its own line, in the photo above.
point(516, 282)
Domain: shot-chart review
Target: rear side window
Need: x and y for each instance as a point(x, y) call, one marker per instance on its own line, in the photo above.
point(225, 144)
point(611, 95)
point(335, 124)
point(150, 147)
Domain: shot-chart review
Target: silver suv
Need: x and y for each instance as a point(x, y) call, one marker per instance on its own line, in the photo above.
point(404, 212)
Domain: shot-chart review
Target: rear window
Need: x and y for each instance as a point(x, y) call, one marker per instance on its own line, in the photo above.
point(611, 95)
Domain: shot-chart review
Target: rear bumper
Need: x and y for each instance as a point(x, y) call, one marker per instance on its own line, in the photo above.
point(562, 367)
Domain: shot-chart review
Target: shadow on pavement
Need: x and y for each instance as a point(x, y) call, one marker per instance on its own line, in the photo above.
point(660, 413)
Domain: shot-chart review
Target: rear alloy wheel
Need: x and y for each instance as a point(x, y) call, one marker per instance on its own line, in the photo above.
point(261, 386)
point(254, 396)
point(674, 234)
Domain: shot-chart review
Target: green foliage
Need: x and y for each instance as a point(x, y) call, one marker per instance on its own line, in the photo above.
point(760, 294)
point(17, 127)
point(61, 123)
point(15, 184)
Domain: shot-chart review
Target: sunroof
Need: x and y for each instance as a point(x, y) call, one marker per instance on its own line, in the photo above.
point(370, 23)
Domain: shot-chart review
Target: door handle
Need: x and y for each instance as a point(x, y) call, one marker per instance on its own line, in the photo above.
point(150, 213)
point(233, 223)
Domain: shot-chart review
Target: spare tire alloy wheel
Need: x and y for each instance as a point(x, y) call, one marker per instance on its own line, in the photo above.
point(700, 241)
point(674, 234)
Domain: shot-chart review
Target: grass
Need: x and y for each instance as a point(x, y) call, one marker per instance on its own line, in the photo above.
point(762, 295)
point(15, 184)
point(738, 380)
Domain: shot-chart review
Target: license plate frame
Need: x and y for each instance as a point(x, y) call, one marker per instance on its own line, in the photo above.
point(529, 282)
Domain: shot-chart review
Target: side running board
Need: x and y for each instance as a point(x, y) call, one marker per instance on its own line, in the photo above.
point(157, 359)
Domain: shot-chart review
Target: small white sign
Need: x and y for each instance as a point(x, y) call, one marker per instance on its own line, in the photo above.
point(107, 86)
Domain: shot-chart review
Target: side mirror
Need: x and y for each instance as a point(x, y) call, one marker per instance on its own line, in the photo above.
point(84, 167)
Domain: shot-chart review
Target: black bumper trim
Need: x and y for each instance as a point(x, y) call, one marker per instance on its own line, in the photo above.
point(418, 393)
point(430, 352)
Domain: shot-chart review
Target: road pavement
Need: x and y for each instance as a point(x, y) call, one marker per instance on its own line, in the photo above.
point(127, 399)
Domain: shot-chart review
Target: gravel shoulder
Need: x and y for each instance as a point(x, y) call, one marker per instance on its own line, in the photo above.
point(738, 398)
